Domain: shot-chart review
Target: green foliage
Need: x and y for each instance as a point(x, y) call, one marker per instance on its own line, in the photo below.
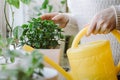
point(17, 32)
point(45, 3)
point(26, 1)
point(63, 2)
point(41, 34)
point(46, 6)
point(50, 7)
point(16, 3)
point(24, 68)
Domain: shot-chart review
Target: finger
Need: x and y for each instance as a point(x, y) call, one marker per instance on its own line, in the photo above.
point(106, 28)
point(109, 29)
point(48, 16)
point(91, 27)
point(98, 27)
point(103, 28)
point(57, 18)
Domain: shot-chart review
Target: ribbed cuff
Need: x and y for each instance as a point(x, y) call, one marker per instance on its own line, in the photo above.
point(72, 20)
point(117, 13)
point(71, 26)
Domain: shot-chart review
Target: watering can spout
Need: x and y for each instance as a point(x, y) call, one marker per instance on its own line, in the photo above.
point(57, 67)
point(50, 62)
point(83, 32)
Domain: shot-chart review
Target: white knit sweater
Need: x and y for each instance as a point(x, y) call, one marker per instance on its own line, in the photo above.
point(82, 12)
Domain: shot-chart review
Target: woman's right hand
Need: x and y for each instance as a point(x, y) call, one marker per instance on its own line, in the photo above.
point(59, 18)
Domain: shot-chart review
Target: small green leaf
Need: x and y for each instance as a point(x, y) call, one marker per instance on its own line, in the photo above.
point(15, 3)
point(9, 41)
point(12, 59)
point(2, 44)
point(0, 51)
point(26, 1)
point(44, 4)
point(17, 32)
point(50, 7)
point(63, 1)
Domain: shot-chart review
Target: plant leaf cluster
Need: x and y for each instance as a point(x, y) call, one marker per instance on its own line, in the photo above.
point(24, 64)
point(46, 5)
point(16, 3)
point(40, 33)
point(24, 68)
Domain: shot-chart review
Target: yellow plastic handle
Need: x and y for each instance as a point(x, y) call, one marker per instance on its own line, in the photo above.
point(50, 62)
point(78, 37)
point(83, 32)
point(58, 68)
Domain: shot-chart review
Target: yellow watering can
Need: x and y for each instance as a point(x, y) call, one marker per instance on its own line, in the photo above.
point(90, 61)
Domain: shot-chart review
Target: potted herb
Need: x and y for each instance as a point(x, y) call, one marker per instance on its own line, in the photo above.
point(42, 34)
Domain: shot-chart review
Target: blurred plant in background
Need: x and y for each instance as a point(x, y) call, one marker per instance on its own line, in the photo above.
point(18, 64)
point(16, 4)
point(39, 7)
point(49, 7)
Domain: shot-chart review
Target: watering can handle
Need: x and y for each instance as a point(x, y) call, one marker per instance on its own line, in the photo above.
point(84, 31)
point(51, 63)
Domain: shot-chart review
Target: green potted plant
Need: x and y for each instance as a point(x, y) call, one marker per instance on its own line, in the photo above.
point(40, 34)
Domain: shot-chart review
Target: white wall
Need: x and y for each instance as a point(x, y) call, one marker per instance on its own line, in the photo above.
point(19, 15)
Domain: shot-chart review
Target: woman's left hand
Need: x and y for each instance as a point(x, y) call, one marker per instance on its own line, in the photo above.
point(103, 23)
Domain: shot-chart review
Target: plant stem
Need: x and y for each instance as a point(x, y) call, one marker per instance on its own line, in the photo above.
point(12, 16)
point(7, 22)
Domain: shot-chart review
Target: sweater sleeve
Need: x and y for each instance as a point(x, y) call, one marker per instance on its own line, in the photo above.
point(117, 12)
point(72, 26)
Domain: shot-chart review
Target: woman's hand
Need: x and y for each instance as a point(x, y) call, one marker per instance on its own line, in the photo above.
point(59, 18)
point(103, 23)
